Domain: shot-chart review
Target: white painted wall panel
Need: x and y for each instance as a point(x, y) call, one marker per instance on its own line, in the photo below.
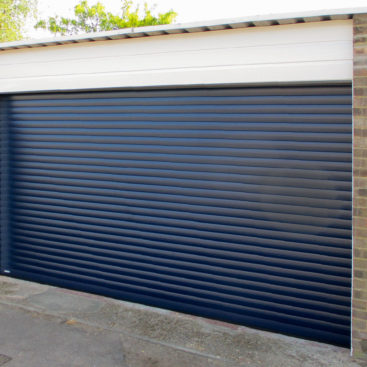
point(320, 51)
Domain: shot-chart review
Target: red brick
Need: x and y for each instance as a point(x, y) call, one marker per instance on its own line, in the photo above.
point(360, 172)
point(360, 222)
point(360, 101)
point(360, 324)
point(360, 202)
point(359, 122)
point(359, 305)
point(360, 152)
point(362, 121)
point(359, 334)
point(361, 274)
point(361, 111)
point(360, 143)
point(360, 284)
point(359, 19)
point(360, 39)
point(360, 162)
point(361, 132)
point(360, 61)
point(360, 264)
point(362, 50)
point(358, 71)
point(360, 82)
point(360, 243)
point(360, 212)
point(360, 182)
point(360, 92)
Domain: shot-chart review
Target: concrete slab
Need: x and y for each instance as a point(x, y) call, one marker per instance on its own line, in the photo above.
point(31, 340)
point(64, 302)
point(60, 322)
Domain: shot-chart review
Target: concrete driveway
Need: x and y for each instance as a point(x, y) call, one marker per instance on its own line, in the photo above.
point(44, 326)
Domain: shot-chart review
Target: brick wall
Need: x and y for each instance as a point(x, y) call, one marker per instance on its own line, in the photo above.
point(359, 319)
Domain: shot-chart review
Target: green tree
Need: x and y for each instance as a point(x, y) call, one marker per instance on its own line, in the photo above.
point(95, 18)
point(13, 15)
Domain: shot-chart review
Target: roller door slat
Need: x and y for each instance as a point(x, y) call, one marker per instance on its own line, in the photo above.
point(277, 286)
point(328, 218)
point(232, 203)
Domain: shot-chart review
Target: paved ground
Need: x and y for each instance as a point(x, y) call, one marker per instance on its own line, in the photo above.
point(43, 326)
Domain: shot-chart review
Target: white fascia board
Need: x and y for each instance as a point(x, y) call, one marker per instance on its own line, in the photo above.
point(317, 51)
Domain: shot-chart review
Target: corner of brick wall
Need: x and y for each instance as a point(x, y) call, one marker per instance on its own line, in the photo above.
point(359, 306)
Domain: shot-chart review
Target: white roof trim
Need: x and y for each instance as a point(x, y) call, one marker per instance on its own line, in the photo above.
point(203, 26)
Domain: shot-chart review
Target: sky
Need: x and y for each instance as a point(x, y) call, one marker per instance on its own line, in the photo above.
point(197, 10)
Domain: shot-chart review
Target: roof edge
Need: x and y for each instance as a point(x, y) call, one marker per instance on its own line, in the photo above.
point(200, 26)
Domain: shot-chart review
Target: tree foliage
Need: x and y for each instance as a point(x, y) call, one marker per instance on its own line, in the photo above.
point(95, 18)
point(13, 14)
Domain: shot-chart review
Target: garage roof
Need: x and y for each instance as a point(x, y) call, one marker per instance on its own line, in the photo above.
point(203, 26)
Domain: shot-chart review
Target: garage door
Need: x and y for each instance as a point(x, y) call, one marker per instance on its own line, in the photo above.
point(231, 203)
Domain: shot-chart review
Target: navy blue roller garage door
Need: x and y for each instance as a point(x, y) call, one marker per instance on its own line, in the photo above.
point(230, 203)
